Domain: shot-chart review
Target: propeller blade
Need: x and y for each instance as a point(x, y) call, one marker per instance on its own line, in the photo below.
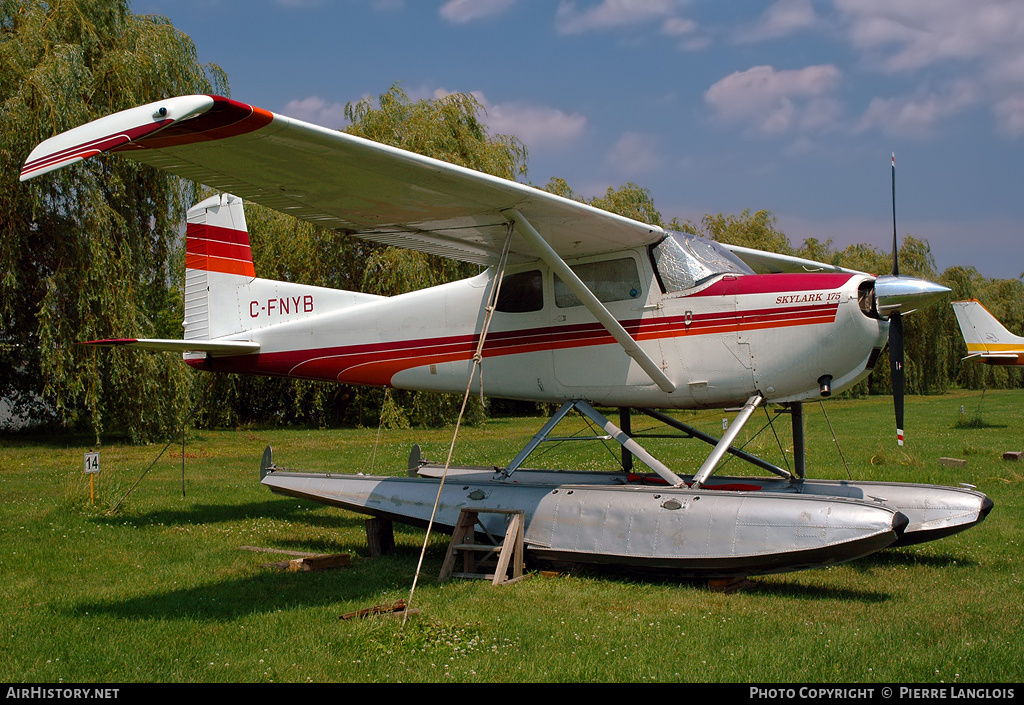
point(896, 327)
point(895, 246)
point(896, 368)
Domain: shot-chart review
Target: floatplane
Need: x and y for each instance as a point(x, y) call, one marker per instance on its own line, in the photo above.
point(574, 306)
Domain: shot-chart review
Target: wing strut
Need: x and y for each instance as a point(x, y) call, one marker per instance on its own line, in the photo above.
point(602, 314)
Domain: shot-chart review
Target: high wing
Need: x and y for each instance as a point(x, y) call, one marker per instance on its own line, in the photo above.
point(343, 182)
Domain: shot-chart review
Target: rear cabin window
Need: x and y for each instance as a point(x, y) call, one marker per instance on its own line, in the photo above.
point(521, 293)
point(611, 280)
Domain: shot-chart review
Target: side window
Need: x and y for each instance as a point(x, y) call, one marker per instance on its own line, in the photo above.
point(611, 280)
point(521, 293)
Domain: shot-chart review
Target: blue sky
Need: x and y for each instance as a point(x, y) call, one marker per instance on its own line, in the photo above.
point(794, 106)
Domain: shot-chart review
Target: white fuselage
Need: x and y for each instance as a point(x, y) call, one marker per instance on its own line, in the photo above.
point(719, 341)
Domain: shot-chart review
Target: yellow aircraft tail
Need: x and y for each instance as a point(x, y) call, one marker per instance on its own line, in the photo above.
point(987, 338)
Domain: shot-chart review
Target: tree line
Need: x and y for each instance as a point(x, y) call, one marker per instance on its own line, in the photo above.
point(95, 251)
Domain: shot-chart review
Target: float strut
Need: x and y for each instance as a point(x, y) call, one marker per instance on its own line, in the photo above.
point(726, 441)
point(799, 461)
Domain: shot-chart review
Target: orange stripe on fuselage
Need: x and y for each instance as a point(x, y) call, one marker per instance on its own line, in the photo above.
point(377, 364)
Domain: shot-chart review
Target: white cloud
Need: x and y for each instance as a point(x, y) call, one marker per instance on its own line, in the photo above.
point(316, 110)
point(686, 31)
point(678, 27)
point(976, 46)
point(612, 14)
point(1009, 115)
point(463, 11)
point(635, 154)
point(775, 102)
point(536, 125)
point(917, 115)
point(782, 19)
point(912, 34)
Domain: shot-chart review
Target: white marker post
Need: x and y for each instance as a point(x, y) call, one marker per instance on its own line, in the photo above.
point(92, 467)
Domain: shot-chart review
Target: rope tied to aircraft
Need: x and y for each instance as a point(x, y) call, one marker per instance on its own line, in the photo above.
point(491, 304)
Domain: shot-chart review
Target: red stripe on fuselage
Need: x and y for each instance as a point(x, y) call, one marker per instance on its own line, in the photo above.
point(782, 283)
point(378, 363)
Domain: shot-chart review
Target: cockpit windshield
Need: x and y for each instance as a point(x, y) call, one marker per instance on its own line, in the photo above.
point(683, 261)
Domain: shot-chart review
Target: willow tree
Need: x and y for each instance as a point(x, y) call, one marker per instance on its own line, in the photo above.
point(756, 230)
point(85, 252)
point(629, 200)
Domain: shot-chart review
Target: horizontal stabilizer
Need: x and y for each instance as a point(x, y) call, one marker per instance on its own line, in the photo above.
point(989, 355)
point(216, 348)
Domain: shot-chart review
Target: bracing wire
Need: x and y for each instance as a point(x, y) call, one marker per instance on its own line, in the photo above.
point(777, 441)
point(491, 303)
point(750, 440)
point(161, 453)
point(836, 441)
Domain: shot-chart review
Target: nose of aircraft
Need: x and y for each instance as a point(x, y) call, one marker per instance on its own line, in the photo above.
point(896, 296)
point(905, 294)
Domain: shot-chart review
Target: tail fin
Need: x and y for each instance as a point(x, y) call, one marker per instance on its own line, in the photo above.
point(223, 295)
point(218, 259)
point(225, 302)
point(985, 336)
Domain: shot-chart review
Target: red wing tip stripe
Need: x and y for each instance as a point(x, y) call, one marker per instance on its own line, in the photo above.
point(92, 147)
point(110, 341)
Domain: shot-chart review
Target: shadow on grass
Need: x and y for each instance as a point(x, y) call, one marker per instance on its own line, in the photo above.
point(907, 557)
point(817, 592)
point(976, 423)
point(270, 590)
point(218, 513)
point(754, 587)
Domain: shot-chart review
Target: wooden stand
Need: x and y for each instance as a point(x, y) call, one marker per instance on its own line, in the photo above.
point(500, 557)
point(305, 561)
point(380, 537)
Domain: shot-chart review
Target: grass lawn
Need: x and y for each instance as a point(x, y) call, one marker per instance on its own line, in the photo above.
point(161, 590)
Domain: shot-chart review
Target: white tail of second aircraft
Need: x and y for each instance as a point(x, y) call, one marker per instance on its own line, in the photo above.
point(986, 337)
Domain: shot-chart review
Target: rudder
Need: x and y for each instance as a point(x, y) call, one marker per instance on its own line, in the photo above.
point(218, 259)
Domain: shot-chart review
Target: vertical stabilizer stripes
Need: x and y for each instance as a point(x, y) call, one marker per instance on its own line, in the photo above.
point(217, 249)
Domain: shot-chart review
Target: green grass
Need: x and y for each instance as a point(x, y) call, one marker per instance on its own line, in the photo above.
point(161, 590)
